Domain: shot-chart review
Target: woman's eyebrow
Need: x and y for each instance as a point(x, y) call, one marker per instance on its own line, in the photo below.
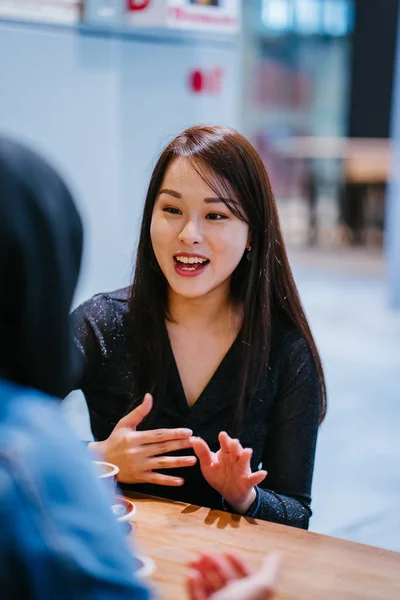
point(170, 192)
point(213, 200)
point(210, 200)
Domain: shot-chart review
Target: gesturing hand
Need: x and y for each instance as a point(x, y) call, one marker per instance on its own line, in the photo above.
point(139, 453)
point(227, 577)
point(228, 471)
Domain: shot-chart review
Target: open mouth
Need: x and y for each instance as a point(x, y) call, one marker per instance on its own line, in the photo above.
point(190, 264)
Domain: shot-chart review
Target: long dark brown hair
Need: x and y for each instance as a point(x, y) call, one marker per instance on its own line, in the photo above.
point(232, 168)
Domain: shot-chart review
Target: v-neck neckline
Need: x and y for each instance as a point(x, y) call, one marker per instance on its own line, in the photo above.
point(181, 396)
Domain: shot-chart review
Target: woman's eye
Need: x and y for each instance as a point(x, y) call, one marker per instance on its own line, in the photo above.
point(172, 211)
point(216, 217)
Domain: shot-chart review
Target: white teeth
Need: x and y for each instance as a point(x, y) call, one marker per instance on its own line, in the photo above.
point(190, 260)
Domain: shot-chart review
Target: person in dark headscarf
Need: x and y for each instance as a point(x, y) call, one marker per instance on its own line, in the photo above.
point(58, 537)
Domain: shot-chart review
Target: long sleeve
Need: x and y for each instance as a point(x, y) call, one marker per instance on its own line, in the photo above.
point(100, 329)
point(289, 453)
point(42, 568)
point(86, 342)
point(58, 536)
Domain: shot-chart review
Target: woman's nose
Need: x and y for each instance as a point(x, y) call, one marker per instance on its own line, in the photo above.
point(191, 233)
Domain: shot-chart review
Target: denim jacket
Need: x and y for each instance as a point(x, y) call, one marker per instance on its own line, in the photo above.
point(58, 537)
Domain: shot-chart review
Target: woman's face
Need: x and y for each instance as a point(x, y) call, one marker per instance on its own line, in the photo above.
point(196, 239)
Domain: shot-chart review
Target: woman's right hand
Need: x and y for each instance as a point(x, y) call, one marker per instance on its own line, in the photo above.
point(139, 453)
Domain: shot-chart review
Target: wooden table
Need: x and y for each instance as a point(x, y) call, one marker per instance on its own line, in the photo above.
point(315, 567)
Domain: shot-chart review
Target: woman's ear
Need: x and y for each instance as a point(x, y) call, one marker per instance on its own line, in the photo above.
point(248, 243)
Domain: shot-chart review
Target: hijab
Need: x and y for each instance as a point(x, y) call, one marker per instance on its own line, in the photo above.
point(40, 254)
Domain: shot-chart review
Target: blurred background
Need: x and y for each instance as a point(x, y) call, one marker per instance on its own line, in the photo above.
point(100, 86)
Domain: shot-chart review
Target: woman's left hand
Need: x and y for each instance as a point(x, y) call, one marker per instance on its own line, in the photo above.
point(228, 471)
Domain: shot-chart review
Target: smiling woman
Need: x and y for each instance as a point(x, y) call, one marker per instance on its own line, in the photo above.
point(213, 336)
point(186, 215)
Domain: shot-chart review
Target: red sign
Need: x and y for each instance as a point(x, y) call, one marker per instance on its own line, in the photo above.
point(209, 80)
point(200, 15)
point(138, 4)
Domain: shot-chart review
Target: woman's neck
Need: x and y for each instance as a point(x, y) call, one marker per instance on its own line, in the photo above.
point(211, 310)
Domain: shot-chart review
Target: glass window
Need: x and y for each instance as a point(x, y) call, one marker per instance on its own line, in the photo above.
point(337, 17)
point(277, 14)
point(308, 16)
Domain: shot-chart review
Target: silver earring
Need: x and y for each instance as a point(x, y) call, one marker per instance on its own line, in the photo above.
point(248, 255)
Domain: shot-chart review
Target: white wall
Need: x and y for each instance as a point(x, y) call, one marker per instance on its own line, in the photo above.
point(100, 108)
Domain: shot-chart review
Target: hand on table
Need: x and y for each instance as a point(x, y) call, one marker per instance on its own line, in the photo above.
point(139, 453)
point(228, 471)
point(227, 577)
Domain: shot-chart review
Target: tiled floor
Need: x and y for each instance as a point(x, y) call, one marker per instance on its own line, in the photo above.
point(356, 492)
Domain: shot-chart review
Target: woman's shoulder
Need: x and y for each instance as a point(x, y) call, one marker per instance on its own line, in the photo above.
point(104, 311)
point(295, 366)
point(283, 330)
point(288, 342)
